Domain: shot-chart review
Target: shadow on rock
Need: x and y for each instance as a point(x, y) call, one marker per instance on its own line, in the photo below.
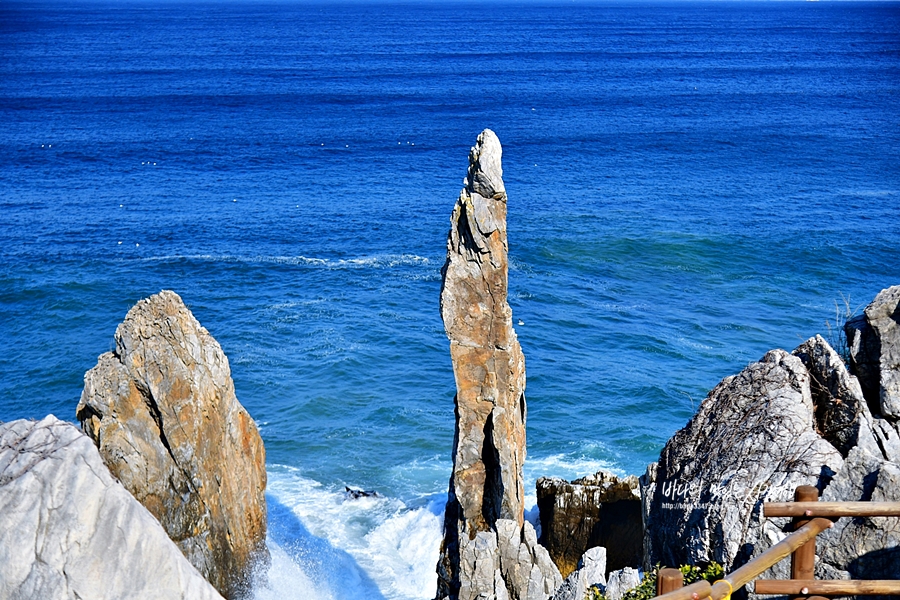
point(877, 564)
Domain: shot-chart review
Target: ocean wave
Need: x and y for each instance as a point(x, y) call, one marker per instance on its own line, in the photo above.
point(284, 577)
point(868, 193)
point(376, 547)
point(372, 547)
point(379, 261)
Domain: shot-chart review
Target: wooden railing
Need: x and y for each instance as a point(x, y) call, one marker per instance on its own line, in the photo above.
point(810, 519)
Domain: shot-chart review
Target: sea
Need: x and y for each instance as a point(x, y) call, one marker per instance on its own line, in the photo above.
point(690, 185)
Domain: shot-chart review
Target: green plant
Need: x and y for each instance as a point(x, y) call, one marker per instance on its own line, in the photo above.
point(711, 572)
point(647, 588)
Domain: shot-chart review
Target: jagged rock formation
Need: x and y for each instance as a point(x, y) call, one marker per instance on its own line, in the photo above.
point(870, 548)
point(874, 342)
point(162, 410)
point(752, 440)
point(590, 571)
point(788, 420)
point(622, 581)
point(598, 510)
point(488, 550)
point(68, 530)
point(841, 416)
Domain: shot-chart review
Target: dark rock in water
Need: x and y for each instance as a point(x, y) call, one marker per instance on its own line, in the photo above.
point(352, 494)
point(489, 551)
point(599, 510)
point(69, 530)
point(163, 412)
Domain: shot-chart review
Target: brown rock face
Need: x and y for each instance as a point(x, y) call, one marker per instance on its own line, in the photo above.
point(488, 551)
point(163, 412)
point(599, 510)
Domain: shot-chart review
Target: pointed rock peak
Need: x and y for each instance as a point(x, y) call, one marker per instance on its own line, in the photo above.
point(475, 277)
point(163, 413)
point(484, 527)
point(485, 176)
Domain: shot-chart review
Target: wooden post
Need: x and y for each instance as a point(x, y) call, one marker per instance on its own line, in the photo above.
point(668, 580)
point(803, 560)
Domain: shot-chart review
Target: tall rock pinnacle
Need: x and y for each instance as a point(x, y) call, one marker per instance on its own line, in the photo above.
point(489, 551)
point(162, 410)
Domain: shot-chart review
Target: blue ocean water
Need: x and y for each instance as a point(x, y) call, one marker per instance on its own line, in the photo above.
point(690, 185)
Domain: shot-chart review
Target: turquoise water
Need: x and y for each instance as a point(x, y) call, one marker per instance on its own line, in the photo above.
point(690, 185)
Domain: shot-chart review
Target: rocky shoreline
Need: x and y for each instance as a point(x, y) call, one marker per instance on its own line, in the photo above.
point(162, 492)
point(791, 419)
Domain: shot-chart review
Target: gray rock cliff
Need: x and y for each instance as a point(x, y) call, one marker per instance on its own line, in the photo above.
point(69, 530)
point(489, 551)
point(753, 440)
point(789, 420)
point(865, 548)
point(162, 410)
point(874, 342)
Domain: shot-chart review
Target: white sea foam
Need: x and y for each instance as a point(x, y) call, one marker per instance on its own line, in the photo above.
point(372, 547)
point(285, 578)
point(326, 546)
point(379, 261)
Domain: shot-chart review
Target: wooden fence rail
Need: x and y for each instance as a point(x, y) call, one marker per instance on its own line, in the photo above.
point(831, 509)
point(809, 520)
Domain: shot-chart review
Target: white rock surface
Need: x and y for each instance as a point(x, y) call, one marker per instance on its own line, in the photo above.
point(591, 571)
point(621, 581)
point(593, 568)
point(68, 530)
